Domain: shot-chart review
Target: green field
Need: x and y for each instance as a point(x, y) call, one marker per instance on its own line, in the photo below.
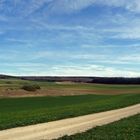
point(24, 111)
point(125, 129)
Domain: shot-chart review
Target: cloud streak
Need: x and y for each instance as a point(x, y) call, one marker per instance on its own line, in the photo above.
point(26, 8)
point(69, 6)
point(67, 37)
point(72, 70)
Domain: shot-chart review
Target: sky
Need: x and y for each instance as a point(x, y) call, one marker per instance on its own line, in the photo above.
point(70, 37)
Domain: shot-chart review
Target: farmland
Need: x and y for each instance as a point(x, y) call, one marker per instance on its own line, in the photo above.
point(125, 129)
point(31, 110)
point(59, 100)
point(12, 88)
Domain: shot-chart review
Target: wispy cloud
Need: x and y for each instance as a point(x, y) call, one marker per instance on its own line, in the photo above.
point(130, 5)
point(69, 6)
point(67, 37)
point(74, 70)
point(63, 6)
point(93, 70)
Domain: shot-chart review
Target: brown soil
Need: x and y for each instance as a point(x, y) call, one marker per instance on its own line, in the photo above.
point(62, 92)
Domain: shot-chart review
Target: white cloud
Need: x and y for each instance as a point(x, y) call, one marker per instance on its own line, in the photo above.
point(131, 58)
point(122, 27)
point(74, 70)
point(132, 31)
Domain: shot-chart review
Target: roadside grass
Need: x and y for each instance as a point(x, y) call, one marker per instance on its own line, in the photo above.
point(125, 129)
point(32, 110)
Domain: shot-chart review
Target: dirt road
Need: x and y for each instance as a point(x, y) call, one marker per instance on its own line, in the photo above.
point(56, 129)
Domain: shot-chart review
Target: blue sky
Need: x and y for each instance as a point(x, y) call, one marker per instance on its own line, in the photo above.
point(70, 37)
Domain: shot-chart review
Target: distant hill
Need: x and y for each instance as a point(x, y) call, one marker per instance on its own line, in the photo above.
point(102, 80)
point(2, 76)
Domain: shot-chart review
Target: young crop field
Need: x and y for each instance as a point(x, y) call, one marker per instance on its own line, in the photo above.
point(31, 110)
point(125, 129)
